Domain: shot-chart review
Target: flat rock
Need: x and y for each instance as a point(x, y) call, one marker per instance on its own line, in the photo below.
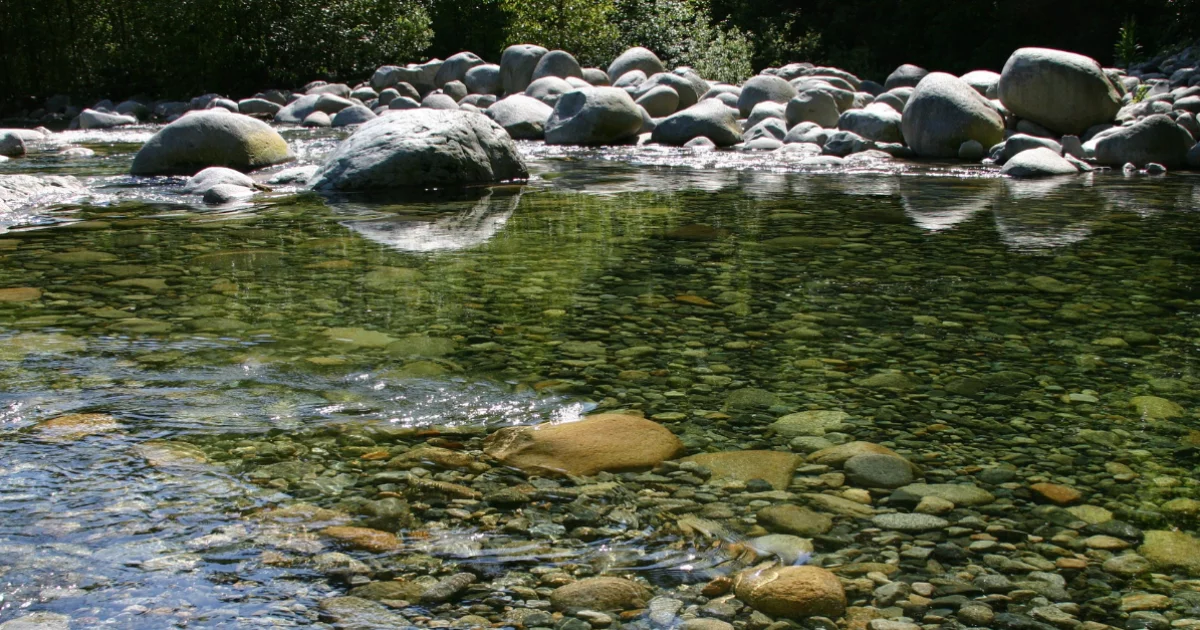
point(809, 423)
point(1172, 550)
point(958, 494)
point(910, 522)
point(793, 519)
point(364, 538)
point(774, 467)
point(356, 613)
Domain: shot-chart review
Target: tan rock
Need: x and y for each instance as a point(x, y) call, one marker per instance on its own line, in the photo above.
point(76, 425)
point(20, 294)
point(364, 538)
point(1056, 493)
point(600, 593)
point(837, 455)
point(604, 442)
point(791, 591)
point(774, 467)
point(1155, 408)
point(171, 454)
point(793, 519)
point(838, 505)
point(303, 515)
point(1144, 601)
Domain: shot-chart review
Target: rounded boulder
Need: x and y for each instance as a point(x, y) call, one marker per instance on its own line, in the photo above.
point(484, 79)
point(764, 87)
point(516, 66)
point(636, 58)
point(594, 116)
point(210, 138)
point(421, 148)
point(709, 118)
point(523, 117)
point(1154, 138)
point(943, 113)
point(557, 63)
point(1062, 91)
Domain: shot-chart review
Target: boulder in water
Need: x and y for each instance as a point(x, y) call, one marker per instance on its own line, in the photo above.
point(210, 138)
point(943, 113)
point(1062, 91)
point(1156, 139)
point(1039, 162)
point(422, 148)
point(92, 119)
point(709, 118)
point(523, 117)
point(594, 116)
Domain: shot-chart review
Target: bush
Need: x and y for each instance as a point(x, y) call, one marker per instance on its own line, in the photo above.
point(584, 28)
point(682, 33)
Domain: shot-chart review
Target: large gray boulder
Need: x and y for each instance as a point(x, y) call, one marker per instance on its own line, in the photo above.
point(709, 118)
point(874, 122)
point(92, 119)
point(637, 58)
point(630, 80)
point(438, 100)
point(210, 138)
point(594, 116)
point(548, 90)
point(1039, 162)
point(484, 79)
point(764, 87)
point(906, 75)
point(1062, 91)
point(557, 63)
point(11, 144)
point(455, 68)
point(815, 106)
point(215, 176)
point(516, 66)
point(843, 98)
point(943, 113)
point(421, 148)
point(1152, 139)
point(334, 89)
point(523, 117)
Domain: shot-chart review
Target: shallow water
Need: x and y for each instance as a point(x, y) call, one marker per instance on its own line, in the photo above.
point(1021, 318)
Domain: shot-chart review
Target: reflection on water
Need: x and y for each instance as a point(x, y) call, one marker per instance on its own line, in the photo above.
point(443, 227)
point(175, 379)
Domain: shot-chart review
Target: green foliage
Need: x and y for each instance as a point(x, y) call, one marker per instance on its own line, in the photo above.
point(584, 28)
point(1127, 49)
point(682, 33)
point(1140, 93)
point(782, 41)
point(720, 52)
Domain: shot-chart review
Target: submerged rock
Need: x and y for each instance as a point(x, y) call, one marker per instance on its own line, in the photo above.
point(421, 149)
point(792, 592)
point(600, 593)
point(604, 442)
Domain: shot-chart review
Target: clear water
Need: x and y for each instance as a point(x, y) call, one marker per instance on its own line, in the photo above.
point(658, 281)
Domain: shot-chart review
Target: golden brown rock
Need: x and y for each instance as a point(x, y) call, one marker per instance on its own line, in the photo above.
point(1056, 493)
point(20, 294)
point(791, 591)
point(76, 425)
point(364, 538)
point(774, 467)
point(600, 593)
point(837, 455)
point(604, 442)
